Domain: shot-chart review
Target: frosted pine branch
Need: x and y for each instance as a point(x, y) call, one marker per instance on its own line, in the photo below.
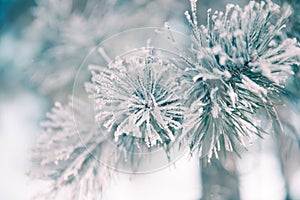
point(62, 157)
point(241, 62)
point(137, 96)
point(235, 72)
point(71, 149)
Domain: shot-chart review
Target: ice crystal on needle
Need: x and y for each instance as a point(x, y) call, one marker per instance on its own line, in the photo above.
point(241, 61)
point(137, 96)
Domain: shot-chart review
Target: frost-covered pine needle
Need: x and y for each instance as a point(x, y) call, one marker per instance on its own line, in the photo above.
point(72, 152)
point(137, 96)
point(62, 157)
point(240, 63)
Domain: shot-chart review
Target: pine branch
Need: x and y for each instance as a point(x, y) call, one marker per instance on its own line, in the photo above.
point(240, 68)
point(138, 96)
point(235, 73)
point(73, 151)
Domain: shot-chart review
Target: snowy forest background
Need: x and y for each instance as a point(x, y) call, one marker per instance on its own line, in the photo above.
point(42, 44)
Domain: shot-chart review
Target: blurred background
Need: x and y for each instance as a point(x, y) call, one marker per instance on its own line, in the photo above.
point(42, 44)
